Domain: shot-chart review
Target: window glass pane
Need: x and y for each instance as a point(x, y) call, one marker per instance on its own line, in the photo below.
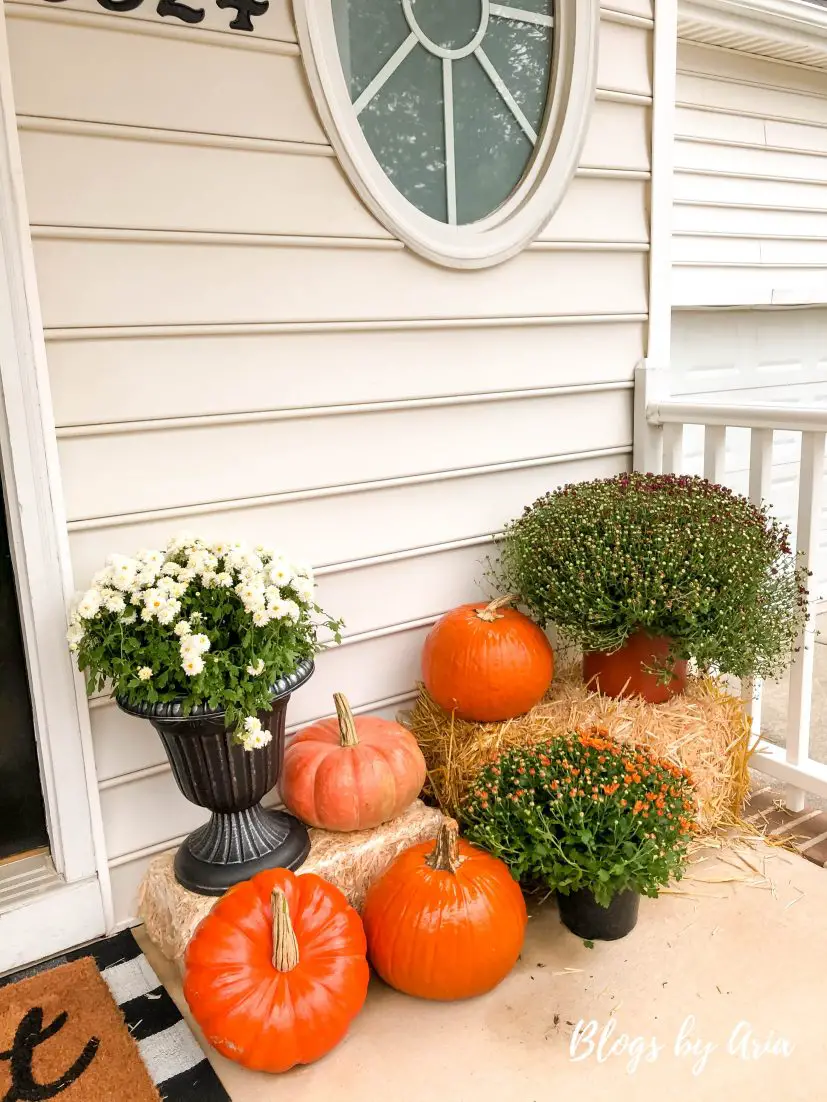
point(521, 54)
point(368, 32)
point(403, 59)
point(404, 126)
point(491, 149)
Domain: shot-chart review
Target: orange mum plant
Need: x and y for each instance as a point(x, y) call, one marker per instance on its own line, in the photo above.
point(584, 812)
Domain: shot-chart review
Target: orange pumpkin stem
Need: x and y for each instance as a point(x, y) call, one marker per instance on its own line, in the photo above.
point(445, 855)
point(285, 945)
point(347, 724)
point(490, 614)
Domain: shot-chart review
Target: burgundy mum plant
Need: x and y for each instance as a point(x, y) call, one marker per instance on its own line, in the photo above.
point(671, 555)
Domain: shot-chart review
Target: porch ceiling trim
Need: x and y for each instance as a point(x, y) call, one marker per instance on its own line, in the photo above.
point(785, 30)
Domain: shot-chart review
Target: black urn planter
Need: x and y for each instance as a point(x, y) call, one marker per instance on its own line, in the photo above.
point(211, 770)
point(583, 915)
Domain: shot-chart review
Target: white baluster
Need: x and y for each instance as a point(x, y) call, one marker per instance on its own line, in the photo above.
point(715, 453)
point(672, 448)
point(810, 488)
point(760, 482)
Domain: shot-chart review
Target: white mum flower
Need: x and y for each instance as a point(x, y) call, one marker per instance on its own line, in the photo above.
point(115, 603)
point(303, 570)
point(273, 594)
point(195, 644)
point(186, 576)
point(278, 609)
point(180, 542)
point(256, 670)
point(151, 557)
point(171, 568)
point(129, 617)
point(224, 580)
point(304, 588)
point(220, 548)
point(147, 614)
point(144, 673)
point(74, 636)
point(122, 571)
point(280, 572)
point(136, 598)
point(148, 576)
point(293, 611)
point(208, 579)
point(252, 725)
point(182, 628)
point(193, 664)
point(262, 617)
point(89, 604)
point(168, 613)
point(155, 599)
point(257, 741)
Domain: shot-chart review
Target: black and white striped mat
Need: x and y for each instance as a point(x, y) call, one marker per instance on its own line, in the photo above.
point(175, 1061)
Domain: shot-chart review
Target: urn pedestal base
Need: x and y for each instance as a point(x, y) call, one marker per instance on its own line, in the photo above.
point(233, 847)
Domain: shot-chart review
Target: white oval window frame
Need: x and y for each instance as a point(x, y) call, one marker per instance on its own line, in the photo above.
point(527, 211)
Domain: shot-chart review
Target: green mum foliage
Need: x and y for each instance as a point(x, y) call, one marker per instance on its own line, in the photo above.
point(671, 555)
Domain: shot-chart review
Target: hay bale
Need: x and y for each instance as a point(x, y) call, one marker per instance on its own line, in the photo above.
point(351, 862)
point(704, 730)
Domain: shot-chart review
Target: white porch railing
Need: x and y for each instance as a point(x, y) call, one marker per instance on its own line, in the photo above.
point(659, 433)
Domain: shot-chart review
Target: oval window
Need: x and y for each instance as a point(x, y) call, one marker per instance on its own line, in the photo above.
point(461, 123)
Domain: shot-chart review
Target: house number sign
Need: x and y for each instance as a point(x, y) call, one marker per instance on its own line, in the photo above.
point(245, 10)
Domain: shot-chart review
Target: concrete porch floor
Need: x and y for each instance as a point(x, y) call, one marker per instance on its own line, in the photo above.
point(727, 951)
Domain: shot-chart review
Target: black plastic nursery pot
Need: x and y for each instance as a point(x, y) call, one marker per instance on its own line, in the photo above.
point(211, 770)
point(584, 916)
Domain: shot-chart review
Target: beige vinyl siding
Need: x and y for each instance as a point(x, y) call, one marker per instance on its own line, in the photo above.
point(750, 216)
point(237, 346)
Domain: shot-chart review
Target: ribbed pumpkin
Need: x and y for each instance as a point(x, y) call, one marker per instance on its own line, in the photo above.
point(446, 921)
point(276, 972)
point(351, 774)
point(487, 662)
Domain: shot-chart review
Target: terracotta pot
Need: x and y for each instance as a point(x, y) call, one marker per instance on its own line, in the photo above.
point(626, 671)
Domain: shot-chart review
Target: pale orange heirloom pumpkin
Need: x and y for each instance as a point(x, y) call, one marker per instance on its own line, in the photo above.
point(351, 773)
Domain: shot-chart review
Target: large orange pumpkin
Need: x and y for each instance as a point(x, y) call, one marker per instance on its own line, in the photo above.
point(446, 921)
point(487, 662)
point(277, 971)
point(351, 774)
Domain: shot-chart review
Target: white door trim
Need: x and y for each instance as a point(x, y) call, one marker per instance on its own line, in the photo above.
point(40, 551)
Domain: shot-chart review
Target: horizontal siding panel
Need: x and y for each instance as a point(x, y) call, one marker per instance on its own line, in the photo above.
point(140, 282)
point(625, 60)
point(723, 286)
point(275, 23)
point(110, 74)
point(187, 376)
point(749, 69)
point(601, 210)
point(191, 187)
point(715, 248)
point(343, 527)
point(187, 187)
point(698, 156)
point(619, 137)
point(107, 74)
point(749, 99)
point(727, 219)
point(732, 189)
point(691, 122)
point(798, 136)
point(175, 467)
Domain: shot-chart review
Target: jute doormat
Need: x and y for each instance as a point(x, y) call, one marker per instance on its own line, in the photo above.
point(95, 1025)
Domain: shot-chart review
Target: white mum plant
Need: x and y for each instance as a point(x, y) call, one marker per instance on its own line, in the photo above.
point(200, 622)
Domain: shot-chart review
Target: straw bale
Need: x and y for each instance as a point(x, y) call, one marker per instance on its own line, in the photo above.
point(349, 861)
point(704, 730)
